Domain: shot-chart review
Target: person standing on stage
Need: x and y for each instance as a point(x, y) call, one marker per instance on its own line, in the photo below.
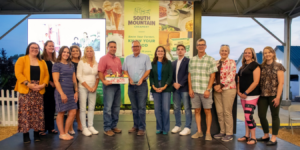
point(32, 78)
point(64, 78)
point(137, 66)
point(75, 58)
point(202, 68)
point(161, 88)
point(225, 93)
point(249, 92)
point(110, 64)
point(49, 57)
point(87, 75)
point(181, 91)
point(271, 85)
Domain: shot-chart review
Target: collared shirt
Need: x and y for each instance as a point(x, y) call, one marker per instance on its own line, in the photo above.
point(137, 66)
point(200, 70)
point(177, 68)
point(110, 64)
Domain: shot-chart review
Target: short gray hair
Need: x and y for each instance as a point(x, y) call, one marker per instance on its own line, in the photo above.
point(225, 46)
point(199, 40)
point(136, 41)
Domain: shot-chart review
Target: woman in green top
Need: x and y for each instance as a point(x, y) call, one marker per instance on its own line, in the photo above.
point(161, 88)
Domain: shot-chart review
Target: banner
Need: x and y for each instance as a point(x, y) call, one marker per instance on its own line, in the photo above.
point(153, 23)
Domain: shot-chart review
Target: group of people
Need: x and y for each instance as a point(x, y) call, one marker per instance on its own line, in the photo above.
point(58, 83)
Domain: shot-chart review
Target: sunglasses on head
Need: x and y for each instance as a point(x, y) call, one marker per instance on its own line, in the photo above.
point(224, 45)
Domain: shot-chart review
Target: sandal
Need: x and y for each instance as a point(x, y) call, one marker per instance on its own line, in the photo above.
point(42, 133)
point(246, 139)
point(72, 132)
point(64, 137)
point(255, 141)
point(53, 131)
point(69, 135)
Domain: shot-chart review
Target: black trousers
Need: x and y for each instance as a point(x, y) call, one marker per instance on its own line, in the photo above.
point(49, 108)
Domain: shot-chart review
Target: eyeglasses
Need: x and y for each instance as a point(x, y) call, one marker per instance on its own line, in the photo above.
point(135, 46)
point(201, 44)
point(224, 45)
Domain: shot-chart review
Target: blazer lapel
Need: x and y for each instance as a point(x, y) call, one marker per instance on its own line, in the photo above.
point(182, 61)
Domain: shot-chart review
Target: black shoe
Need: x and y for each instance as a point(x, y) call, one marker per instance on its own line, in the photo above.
point(270, 143)
point(263, 140)
point(37, 137)
point(26, 138)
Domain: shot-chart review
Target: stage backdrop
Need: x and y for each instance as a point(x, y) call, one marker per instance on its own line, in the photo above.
point(153, 23)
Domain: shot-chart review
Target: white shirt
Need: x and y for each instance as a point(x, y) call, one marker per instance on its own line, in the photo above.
point(177, 68)
point(87, 74)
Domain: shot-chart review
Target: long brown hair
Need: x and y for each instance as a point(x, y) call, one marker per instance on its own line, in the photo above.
point(38, 56)
point(75, 46)
point(272, 51)
point(61, 50)
point(45, 54)
point(155, 59)
point(253, 57)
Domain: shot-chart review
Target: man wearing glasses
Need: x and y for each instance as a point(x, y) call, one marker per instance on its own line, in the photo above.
point(137, 66)
point(201, 76)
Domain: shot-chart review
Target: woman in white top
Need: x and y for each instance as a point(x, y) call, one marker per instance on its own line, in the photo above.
point(87, 75)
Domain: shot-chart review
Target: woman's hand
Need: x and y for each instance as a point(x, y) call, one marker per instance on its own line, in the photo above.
point(243, 96)
point(276, 102)
point(94, 89)
point(76, 97)
point(33, 87)
point(217, 87)
point(52, 84)
point(64, 98)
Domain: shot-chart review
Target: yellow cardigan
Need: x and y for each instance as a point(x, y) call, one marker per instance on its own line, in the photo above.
point(22, 73)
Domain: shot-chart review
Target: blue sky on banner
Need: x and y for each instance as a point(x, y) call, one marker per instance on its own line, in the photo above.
point(239, 33)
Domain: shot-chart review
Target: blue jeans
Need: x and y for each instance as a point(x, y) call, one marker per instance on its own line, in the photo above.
point(112, 102)
point(162, 110)
point(177, 97)
point(138, 98)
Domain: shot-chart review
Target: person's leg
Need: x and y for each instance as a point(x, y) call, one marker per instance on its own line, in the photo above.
point(47, 115)
point(70, 119)
point(108, 97)
point(262, 106)
point(229, 96)
point(166, 100)
point(207, 105)
point(134, 106)
point(79, 127)
point(247, 131)
point(177, 107)
point(249, 111)
point(82, 101)
point(158, 110)
point(60, 123)
point(116, 106)
point(142, 94)
point(275, 118)
point(220, 111)
point(196, 104)
point(187, 109)
point(91, 108)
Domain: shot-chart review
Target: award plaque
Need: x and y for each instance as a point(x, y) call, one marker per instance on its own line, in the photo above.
point(116, 78)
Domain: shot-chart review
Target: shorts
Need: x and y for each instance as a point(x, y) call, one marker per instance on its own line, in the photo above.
point(199, 100)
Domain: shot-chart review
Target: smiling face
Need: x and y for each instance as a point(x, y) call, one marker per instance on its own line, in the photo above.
point(248, 54)
point(66, 54)
point(136, 48)
point(160, 53)
point(75, 53)
point(268, 55)
point(50, 47)
point(201, 46)
point(34, 50)
point(89, 53)
point(112, 48)
point(224, 52)
point(180, 51)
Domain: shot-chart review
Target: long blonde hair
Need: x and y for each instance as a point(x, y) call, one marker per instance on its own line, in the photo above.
point(84, 58)
point(272, 51)
point(253, 57)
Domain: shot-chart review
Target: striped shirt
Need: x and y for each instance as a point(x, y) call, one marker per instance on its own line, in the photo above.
point(200, 70)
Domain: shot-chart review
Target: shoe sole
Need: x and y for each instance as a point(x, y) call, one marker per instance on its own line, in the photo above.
point(109, 134)
point(218, 137)
point(227, 140)
point(185, 134)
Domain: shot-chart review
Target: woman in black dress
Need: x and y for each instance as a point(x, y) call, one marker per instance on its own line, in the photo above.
point(49, 57)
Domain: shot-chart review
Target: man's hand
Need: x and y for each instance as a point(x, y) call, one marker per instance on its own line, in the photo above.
point(176, 85)
point(131, 81)
point(140, 82)
point(206, 94)
point(106, 82)
point(191, 93)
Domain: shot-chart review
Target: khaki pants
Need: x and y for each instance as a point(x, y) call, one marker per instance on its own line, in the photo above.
point(224, 102)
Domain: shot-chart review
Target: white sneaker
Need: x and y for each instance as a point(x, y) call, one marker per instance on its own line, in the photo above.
point(176, 129)
point(86, 132)
point(185, 131)
point(92, 129)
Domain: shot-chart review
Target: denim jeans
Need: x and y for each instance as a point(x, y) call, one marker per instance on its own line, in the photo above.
point(84, 94)
point(162, 110)
point(138, 98)
point(185, 98)
point(112, 102)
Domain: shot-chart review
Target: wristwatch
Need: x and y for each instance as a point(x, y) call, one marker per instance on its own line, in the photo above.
point(208, 89)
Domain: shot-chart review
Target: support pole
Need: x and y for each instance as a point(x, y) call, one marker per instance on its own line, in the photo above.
point(85, 9)
point(14, 26)
point(197, 24)
point(287, 49)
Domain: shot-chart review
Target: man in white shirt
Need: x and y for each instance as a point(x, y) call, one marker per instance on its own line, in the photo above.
point(181, 91)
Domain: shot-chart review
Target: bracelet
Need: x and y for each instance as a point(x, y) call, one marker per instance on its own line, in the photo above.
point(245, 93)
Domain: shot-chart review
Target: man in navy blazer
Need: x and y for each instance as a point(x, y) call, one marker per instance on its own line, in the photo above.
point(181, 91)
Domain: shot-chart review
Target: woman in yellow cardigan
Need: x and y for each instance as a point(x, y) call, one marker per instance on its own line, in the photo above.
point(32, 78)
